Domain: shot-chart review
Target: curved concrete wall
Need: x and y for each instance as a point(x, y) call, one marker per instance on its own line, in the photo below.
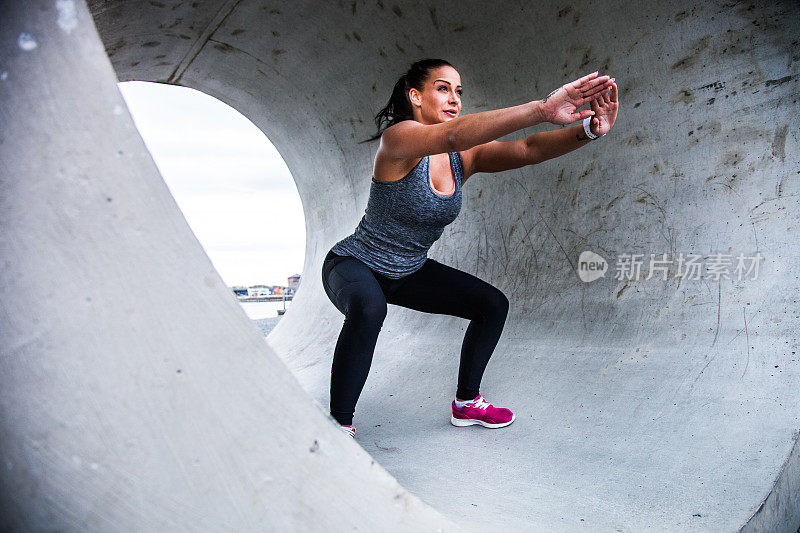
point(136, 395)
point(661, 403)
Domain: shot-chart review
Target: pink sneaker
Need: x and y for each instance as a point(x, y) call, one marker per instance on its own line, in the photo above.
point(349, 430)
point(479, 411)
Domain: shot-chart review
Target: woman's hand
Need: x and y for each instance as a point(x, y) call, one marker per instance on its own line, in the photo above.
point(605, 111)
point(560, 106)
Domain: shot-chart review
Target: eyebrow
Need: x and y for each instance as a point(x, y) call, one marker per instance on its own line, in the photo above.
point(447, 82)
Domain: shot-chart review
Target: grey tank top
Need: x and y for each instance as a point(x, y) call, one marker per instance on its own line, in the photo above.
point(402, 221)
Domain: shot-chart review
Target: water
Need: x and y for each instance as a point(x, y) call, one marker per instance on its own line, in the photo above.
point(258, 310)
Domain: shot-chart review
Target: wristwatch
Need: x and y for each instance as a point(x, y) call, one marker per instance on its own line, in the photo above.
point(586, 123)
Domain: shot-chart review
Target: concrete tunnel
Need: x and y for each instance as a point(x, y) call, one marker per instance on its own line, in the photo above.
point(662, 402)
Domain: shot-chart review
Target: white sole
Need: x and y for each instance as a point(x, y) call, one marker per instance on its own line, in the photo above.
point(463, 422)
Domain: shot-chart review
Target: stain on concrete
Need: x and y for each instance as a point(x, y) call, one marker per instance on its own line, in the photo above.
point(710, 101)
point(434, 18)
point(691, 59)
point(731, 159)
point(399, 48)
point(680, 16)
point(237, 31)
point(185, 37)
point(150, 44)
point(587, 58)
point(684, 96)
point(716, 85)
point(276, 53)
point(587, 171)
point(779, 81)
point(619, 293)
point(111, 50)
point(224, 48)
point(397, 11)
point(356, 36)
point(734, 43)
point(636, 139)
point(614, 201)
point(156, 4)
point(779, 142)
point(779, 188)
point(564, 12)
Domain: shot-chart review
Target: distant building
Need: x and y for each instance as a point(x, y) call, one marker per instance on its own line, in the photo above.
point(258, 291)
point(239, 292)
point(294, 281)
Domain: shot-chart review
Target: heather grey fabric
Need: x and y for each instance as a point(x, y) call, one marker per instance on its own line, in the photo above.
point(402, 220)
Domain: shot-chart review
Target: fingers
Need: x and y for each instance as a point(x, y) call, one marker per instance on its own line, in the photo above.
point(613, 95)
point(584, 79)
point(606, 98)
point(596, 97)
point(596, 82)
point(596, 87)
point(580, 115)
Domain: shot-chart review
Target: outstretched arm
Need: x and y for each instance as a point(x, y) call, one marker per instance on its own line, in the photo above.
point(410, 139)
point(497, 156)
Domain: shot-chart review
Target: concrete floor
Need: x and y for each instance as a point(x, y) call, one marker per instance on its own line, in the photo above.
point(665, 404)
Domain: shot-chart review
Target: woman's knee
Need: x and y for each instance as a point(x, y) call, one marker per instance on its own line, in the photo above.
point(367, 308)
point(496, 304)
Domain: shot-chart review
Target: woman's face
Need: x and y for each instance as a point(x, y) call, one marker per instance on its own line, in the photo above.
point(440, 98)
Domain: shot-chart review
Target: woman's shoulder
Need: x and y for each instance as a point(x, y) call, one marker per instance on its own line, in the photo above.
point(389, 168)
point(399, 128)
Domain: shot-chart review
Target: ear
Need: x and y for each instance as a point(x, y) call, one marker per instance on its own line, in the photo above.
point(415, 96)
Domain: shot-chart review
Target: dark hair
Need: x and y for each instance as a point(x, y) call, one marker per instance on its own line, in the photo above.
point(398, 108)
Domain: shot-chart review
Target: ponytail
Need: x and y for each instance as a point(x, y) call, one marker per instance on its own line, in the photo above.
point(399, 108)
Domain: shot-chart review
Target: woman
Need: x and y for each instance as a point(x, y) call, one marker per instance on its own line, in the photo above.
point(426, 153)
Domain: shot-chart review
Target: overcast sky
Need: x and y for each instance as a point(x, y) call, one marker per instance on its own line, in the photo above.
point(231, 184)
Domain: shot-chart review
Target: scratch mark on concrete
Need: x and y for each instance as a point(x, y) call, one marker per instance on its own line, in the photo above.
point(719, 309)
point(222, 15)
point(571, 264)
point(755, 235)
point(747, 336)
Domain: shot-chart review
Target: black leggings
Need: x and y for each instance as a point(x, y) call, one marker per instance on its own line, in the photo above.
point(362, 294)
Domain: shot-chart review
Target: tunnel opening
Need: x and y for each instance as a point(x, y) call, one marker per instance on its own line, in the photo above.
point(234, 189)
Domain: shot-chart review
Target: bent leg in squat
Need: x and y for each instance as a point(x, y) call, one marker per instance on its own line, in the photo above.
point(354, 290)
point(441, 289)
